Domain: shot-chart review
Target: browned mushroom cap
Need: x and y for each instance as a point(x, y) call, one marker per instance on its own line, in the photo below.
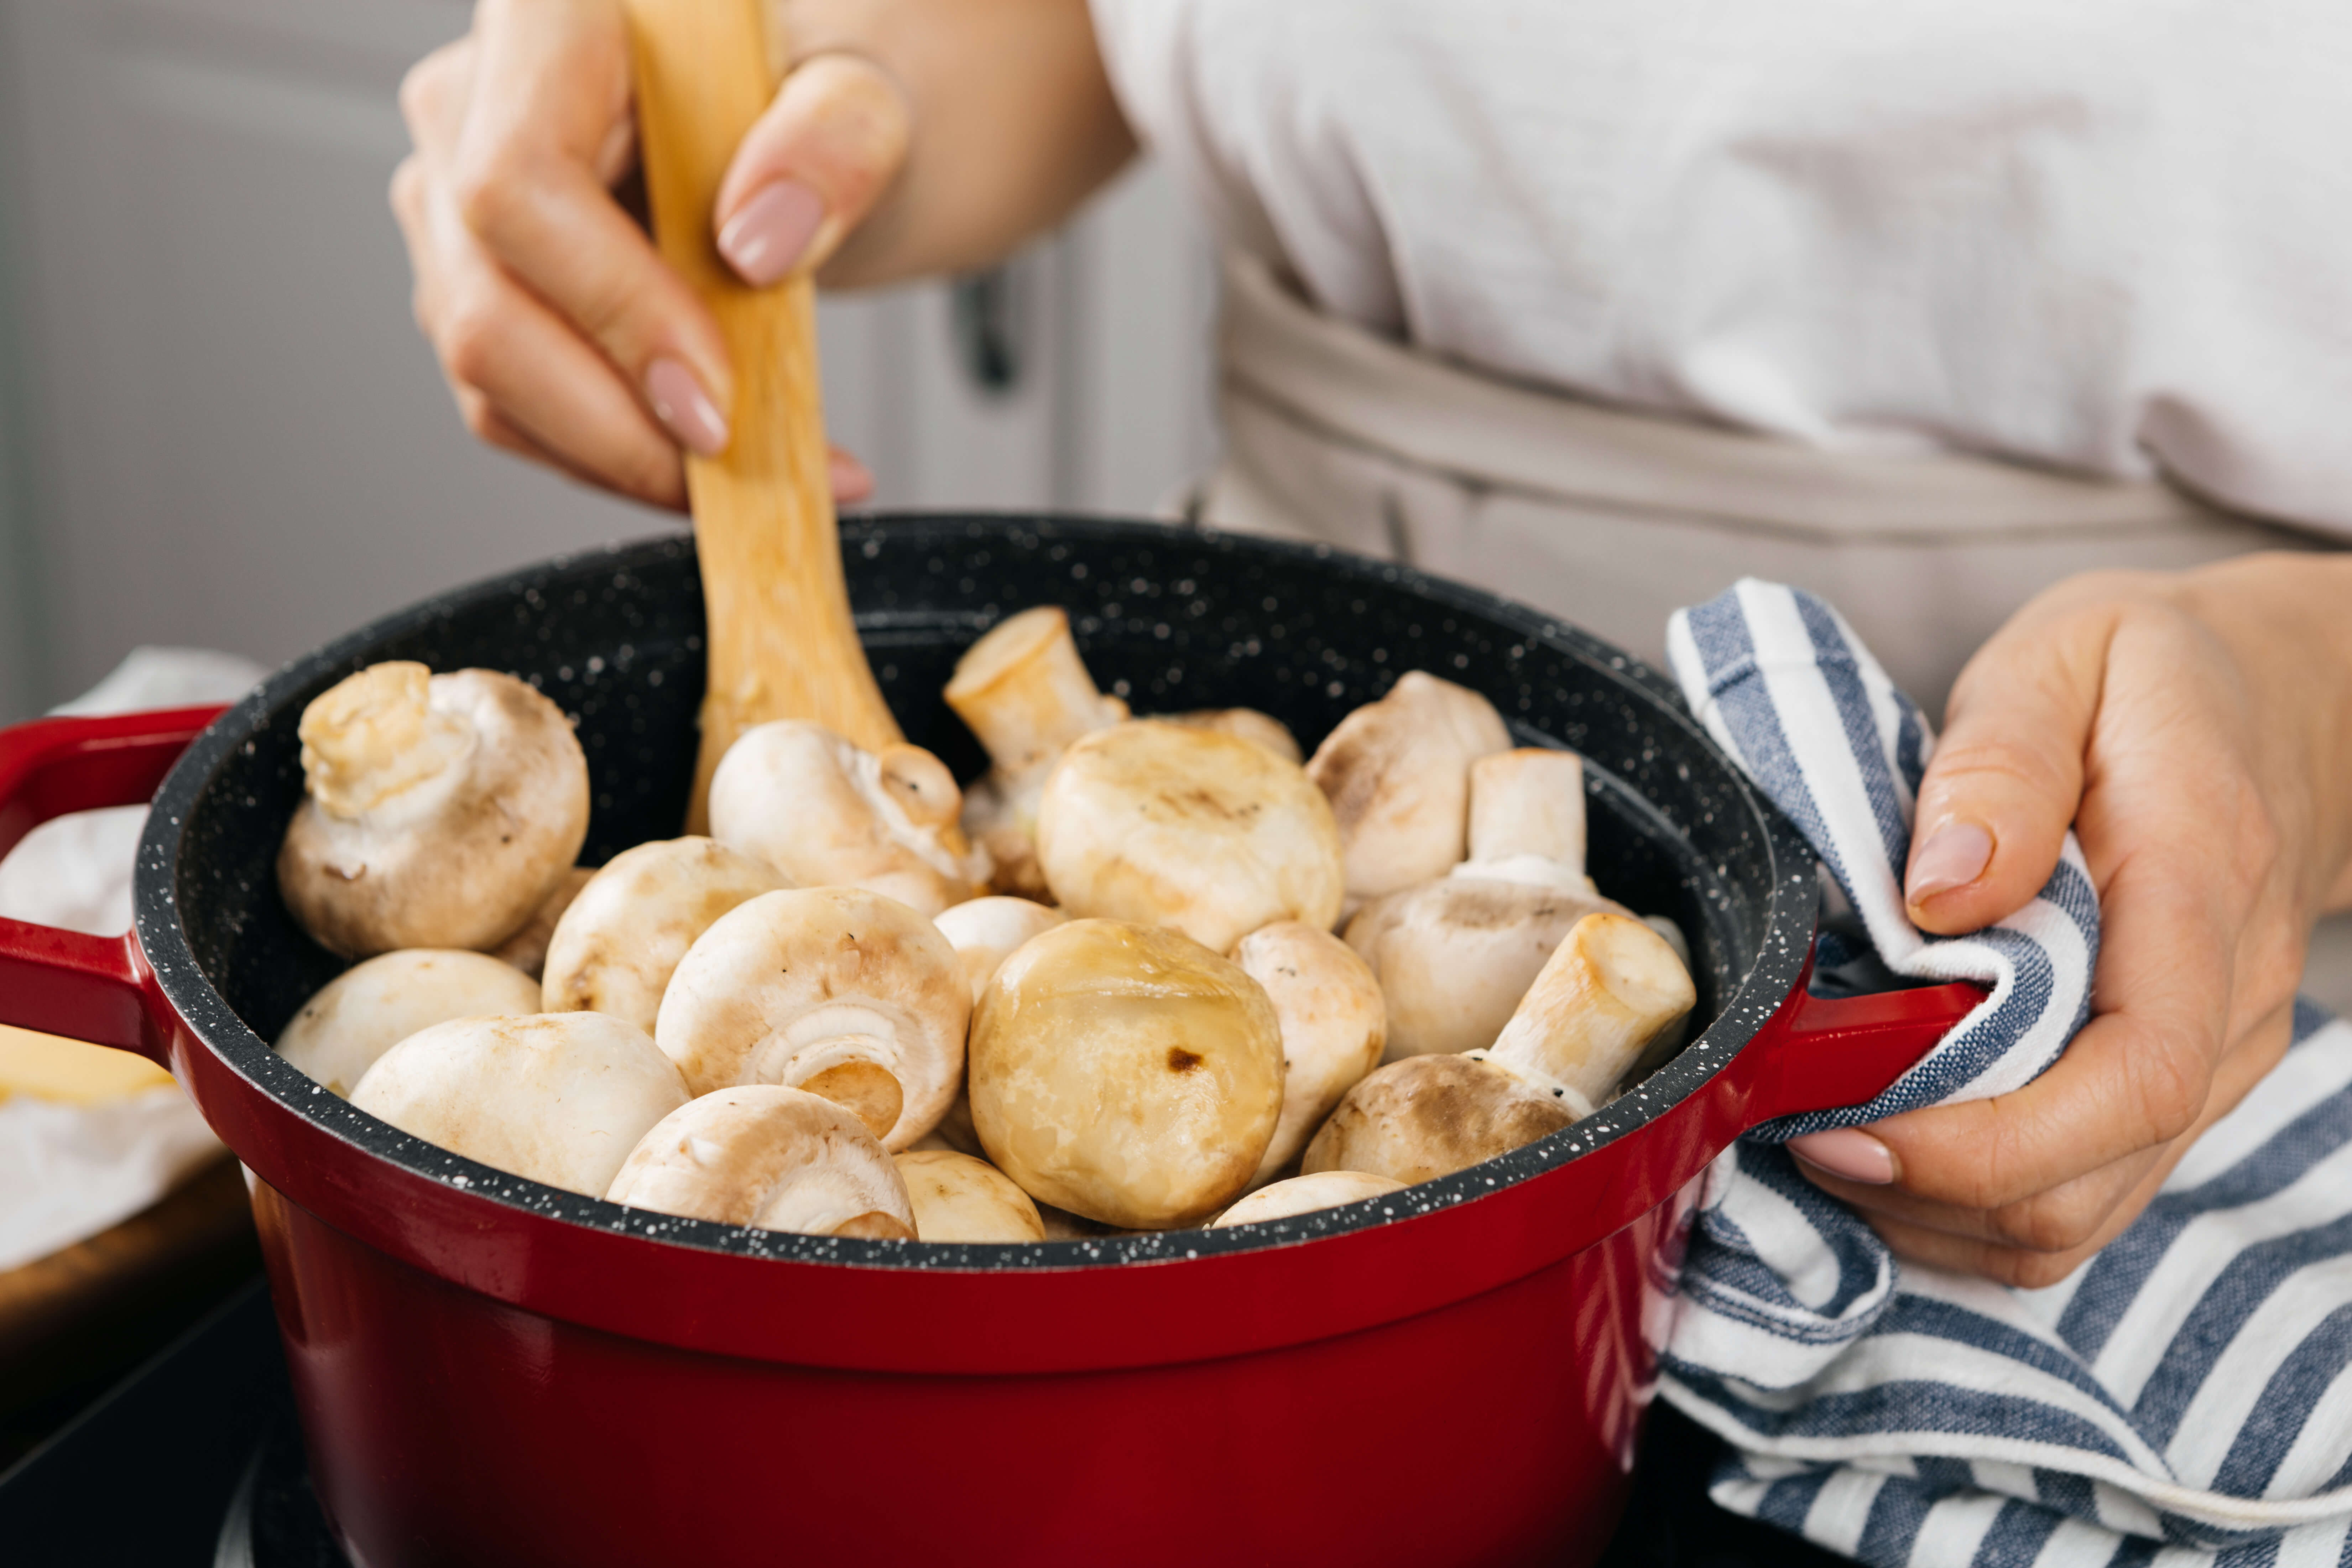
point(560, 1098)
point(617, 946)
point(1610, 990)
point(1025, 692)
point(1125, 1074)
point(960, 1198)
point(827, 814)
point(1245, 724)
point(1397, 771)
point(1333, 1025)
point(440, 811)
point(1168, 825)
point(373, 1006)
point(527, 948)
point(1427, 1117)
point(839, 990)
point(780, 1159)
point(1306, 1194)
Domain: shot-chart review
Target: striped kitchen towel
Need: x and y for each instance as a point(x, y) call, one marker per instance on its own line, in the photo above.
point(2186, 1394)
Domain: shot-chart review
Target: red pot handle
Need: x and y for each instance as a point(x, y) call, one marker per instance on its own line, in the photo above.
point(94, 988)
point(1848, 1051)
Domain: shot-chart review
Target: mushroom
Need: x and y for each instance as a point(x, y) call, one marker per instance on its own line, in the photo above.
point(617, 946)
point(373, 1006)
point(527, 948)
point(1244, 723)
point(827, 814)
point(1126, 1073)
point(1305, 1194)
point(960, 1198)
point(1455, 955)
point(440, 810)
point(1024, 691)
point(1426, 1117)
point(1610, 990)
point(1396, 772)
point(838, 990)
point(1165, 824)
point(764, 1155)
point(984, 932)
point(1333, 1021)
point(560, 1098)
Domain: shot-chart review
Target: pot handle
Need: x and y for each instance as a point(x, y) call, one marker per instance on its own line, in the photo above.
point(93, 988)
point(1847, 1051)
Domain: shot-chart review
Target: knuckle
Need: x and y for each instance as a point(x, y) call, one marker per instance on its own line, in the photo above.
point(2050, 1223)
point(427, 88)
point(2169, 1080)
point(471, 339)
point(491, 187)
point(2031, 1270)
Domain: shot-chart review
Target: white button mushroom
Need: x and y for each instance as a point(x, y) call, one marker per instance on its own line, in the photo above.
point(1244, 723)
point(1305, 1194)
point(827, 814)
point(1397, 772)
point(1427, 1117)
point(838, 990)
point(441, 811)
point(960, 1198)
point(984, 932)
point(1455, 955)
point(373, 1006)
point(617, 945)
point(560, 1098)
point(527, 948)
point(764, 1155)
point(1025, 692)
point(1169, 826)
point(1610, 989)
point(1333, 1025)
point(1126, 1073)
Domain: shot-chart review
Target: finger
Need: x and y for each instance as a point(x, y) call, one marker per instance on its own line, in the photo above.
point(552, 92)
point(2007, 775)
point(811, 167)
point(433, 98)
point(852, 480)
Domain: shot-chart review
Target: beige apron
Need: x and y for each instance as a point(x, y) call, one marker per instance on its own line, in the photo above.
point(1613, 519)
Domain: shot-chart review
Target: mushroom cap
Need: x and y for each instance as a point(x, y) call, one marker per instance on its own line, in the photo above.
point(1454, 955)
point(527, 948)
point(1126, 1073)
point(438, 813)
point(560, 1098)
point(1305, 1194)
point(827, 812)
point(1611, 988)
point(1334, 1024)
point(984, 932)
point(764, 1155)
point(959, 1198)
point(616, 947)
point(1246, 724)
point(1398, 775)
point(1165, 824)
point(1427, 1117)
point(822, 988)
point(373, 1006)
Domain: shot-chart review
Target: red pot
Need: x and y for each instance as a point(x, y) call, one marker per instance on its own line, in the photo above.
point(494, 1372)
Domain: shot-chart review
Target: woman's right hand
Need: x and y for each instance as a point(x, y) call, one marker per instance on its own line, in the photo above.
point(562, 333)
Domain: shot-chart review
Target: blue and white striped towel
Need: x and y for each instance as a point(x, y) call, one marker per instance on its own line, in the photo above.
point(2186, 1394)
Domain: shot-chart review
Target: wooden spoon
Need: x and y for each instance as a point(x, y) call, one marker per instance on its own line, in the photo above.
point(780, 638)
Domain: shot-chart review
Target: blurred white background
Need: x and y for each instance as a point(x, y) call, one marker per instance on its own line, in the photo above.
point(219, 427)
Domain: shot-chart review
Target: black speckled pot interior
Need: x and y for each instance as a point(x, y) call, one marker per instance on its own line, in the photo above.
point(1166, 619)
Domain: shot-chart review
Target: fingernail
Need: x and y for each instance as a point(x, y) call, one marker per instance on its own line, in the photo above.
point(680, 403)
point(1847, 1152)
point(1954, 856)
point(767, 237)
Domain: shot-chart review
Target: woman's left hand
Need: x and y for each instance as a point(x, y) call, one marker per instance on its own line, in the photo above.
point(2196, 732)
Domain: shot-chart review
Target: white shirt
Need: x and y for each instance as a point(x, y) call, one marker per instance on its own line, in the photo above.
point(2103, 235)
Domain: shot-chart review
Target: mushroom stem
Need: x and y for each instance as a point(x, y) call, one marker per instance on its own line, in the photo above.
point(1527, 805)
point(1025, 692)
point(1611, 987)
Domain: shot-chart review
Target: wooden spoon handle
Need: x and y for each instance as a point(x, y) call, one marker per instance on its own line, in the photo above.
point(780, 641)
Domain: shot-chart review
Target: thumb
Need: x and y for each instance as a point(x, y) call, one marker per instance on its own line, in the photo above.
point(2007, 775)
point(811, 167)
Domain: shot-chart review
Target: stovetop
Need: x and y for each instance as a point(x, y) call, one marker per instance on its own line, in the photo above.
point(195, 1460)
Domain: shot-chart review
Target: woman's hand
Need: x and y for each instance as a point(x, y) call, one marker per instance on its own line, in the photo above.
point(2196, 731)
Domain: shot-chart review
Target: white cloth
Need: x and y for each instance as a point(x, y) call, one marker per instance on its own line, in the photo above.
point(2106, 235)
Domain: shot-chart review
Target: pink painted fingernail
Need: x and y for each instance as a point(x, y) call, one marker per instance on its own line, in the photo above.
point(1847, 1152)
point(768, 236)
point(680, 403)
point(1954, 856)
